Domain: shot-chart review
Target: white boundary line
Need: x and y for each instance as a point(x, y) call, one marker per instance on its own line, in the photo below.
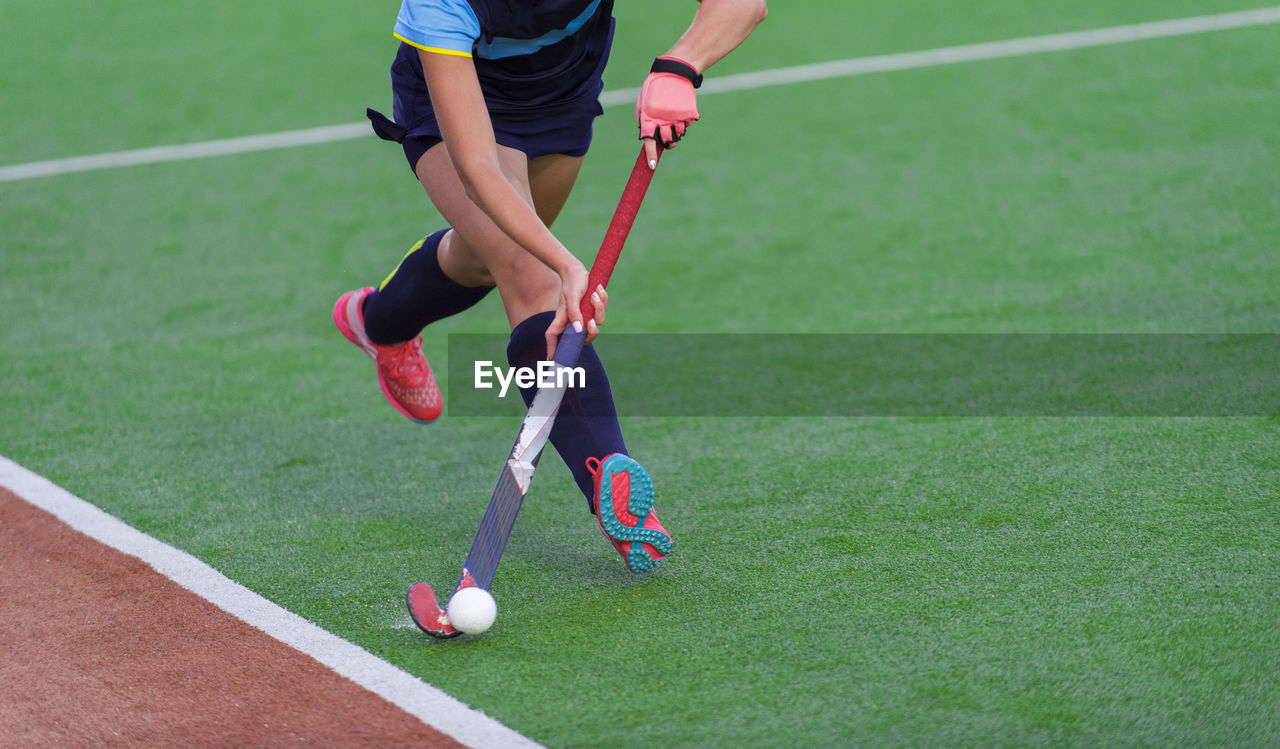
point(414, 696)
point(742, 82)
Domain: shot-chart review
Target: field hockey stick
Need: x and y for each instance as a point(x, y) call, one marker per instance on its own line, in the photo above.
point(517, 472)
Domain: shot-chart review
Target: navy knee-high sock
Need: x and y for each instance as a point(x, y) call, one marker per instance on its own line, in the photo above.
point(587, 424)
point(415, 295)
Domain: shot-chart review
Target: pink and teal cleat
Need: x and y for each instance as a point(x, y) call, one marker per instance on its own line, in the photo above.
point(403, 372)
point(624, 502)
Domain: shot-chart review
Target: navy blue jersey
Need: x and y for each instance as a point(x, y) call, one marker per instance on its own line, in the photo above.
point(528, 55)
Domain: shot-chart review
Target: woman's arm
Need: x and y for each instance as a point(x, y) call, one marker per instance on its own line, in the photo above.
point(667, 104)
point(464, 122)
point(718, 28)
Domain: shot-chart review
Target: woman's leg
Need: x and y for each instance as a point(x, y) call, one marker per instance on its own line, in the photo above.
point(477, 249)
point(441, 276)
point(586, 429)
point(476, 252)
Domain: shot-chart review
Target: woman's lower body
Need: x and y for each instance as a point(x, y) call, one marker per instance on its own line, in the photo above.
point(454, 268)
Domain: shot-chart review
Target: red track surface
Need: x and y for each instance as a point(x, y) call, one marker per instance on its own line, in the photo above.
point(98, 649)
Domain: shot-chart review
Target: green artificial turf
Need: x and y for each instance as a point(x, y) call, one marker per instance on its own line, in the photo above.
point(887, 580)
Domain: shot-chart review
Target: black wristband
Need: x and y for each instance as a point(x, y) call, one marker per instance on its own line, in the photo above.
point(682, 69)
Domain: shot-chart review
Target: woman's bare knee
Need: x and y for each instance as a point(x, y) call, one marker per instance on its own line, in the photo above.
point(460, 261)
point(527, 286)
point(477, 252)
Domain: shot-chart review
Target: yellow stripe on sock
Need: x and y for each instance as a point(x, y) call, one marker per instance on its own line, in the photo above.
point(393, 273)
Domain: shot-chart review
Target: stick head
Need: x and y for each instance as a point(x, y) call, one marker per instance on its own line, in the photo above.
point(427, 614)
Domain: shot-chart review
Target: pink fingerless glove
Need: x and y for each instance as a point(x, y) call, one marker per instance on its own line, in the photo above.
point(668, 103)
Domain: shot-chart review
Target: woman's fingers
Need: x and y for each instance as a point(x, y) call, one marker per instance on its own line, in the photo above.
point(599, 300)
point(570, 314)
point(554, 330)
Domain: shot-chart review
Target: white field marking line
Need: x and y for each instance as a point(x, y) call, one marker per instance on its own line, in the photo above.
point(411, 694)
point(742, 82)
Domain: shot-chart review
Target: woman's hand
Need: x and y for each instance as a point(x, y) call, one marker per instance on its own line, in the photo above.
point(667, 105)
point(573, 286)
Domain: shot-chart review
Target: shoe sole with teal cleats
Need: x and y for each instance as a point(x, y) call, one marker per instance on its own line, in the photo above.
point(624, 502)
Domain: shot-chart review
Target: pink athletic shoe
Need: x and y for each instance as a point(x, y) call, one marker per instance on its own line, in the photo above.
point(624, 504)
point(403, 372)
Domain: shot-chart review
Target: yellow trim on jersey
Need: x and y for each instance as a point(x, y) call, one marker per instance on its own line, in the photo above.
point(392, 274)
point(437, 50)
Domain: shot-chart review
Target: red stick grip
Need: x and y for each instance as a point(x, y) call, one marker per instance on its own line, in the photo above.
point(619, 227)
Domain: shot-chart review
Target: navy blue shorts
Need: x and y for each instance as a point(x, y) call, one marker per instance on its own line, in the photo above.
point(566, 131)
point(540, 128)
